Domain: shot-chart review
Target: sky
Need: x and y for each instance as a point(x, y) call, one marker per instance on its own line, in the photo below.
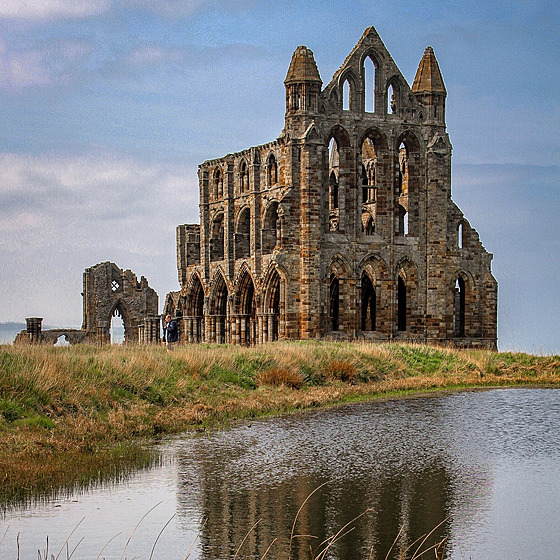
point(108, 106)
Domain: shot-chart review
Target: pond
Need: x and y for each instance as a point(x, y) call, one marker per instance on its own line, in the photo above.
point(481, 468)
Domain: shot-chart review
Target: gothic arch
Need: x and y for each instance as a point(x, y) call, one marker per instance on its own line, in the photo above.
point(407, 316)
point(243, 173)
point(274, 304)
point(243, 233)
point(244, 309)
point(408, 181)
point(218, 310)
point(465, 305)
point(120, 309)
point(352, 96)
point(270, 222)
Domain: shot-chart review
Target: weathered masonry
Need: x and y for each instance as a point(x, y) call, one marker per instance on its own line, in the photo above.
point(342, 227)
point(109, 291)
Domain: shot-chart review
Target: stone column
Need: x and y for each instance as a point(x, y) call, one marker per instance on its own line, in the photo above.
point(34, 329)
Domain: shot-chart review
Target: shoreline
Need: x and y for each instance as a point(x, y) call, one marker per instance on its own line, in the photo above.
point(79, 415)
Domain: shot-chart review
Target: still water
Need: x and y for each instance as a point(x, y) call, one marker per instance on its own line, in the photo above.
point(482, 467)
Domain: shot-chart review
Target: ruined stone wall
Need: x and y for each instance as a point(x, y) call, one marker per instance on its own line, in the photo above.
point(342, 227)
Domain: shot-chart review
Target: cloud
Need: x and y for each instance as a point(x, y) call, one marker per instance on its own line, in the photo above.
point(59, 194)
point(60, 214)
point(52, 9)
point(48, 65)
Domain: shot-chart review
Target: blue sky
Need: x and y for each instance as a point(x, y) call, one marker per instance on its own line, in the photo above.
point(107, 107)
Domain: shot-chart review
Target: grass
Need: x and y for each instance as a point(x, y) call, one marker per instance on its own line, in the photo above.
point(76, 414)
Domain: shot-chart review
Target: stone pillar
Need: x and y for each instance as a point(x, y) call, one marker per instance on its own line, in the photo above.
point(34, 329)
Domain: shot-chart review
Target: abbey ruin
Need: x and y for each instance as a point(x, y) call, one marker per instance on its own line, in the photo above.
point(344, 226)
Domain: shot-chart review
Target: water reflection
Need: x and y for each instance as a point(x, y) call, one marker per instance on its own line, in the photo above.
point(390, 458)
point(487, 463)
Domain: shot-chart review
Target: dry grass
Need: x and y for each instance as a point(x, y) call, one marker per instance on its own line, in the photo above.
point(68, 412)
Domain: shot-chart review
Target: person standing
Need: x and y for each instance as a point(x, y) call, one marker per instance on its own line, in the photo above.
point(170, 333)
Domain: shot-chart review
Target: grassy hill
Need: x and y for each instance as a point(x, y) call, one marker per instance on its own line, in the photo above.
point(69, 414)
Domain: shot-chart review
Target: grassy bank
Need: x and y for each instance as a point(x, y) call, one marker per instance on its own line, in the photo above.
point(69, 415)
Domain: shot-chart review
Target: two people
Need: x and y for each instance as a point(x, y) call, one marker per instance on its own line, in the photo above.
point(170, 332)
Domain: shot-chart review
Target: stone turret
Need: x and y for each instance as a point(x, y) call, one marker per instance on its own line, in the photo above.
point(303, 86)
point(428, 87)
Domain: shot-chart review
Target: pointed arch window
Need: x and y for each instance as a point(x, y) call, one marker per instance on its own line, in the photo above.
point(369, 85)
point(401, 304)
point(459, 314)
point(334, 303)
point(218, 184)
point(334, 168)
point(244, 177)
point(272, 171)
point(243, 235)
point(346, 93)
point(369, 304)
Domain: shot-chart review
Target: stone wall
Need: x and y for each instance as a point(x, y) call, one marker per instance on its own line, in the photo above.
point(344, 226)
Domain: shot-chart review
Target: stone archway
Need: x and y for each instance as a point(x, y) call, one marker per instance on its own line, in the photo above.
point(108, 288)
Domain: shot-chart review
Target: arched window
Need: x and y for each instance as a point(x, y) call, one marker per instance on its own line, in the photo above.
point(346, 92)
point(242, 235)
point(369, 85)
point(334, 303)
point(460, 236)
point(218, 184)
point(219, 311)
point(334, 169)
point(402, 191)
point(244, 177)
point(401, 304)
point(369, 304)
point(272, 170)
point(245, 305)
point(459, 312)
point(391, 100)
point(270, 228)
point(217, 239)
point(273, 306)
point(369, 163)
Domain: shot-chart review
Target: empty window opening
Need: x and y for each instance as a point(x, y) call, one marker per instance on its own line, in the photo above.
point(391, 101)
point(219, 312)
point(270, 228)
point(334, 169)
point(217, 239)
point(272, 170)
point(459, 307)
point(401, 305)
point(346, 96)
point(117, 327)
point(460, 236)
point(242, 235)
point(369, 83)
point(403, 221)
point(114, 286)
point(247, 309)
point(369, 304)
point(218, 184)
point(244, 176)
point(274, 306)
point(334, 303)
point(195, 309)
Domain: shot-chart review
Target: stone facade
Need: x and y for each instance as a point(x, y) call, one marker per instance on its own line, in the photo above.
point(342, 227)
point(108, 291)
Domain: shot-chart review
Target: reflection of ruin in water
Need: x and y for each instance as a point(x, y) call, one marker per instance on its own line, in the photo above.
point(267, 471)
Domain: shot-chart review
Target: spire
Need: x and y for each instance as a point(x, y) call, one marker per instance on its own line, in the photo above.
point(303, 67)
point(428, 76)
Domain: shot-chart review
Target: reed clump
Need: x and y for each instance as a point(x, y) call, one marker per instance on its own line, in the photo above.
point(66, 413)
